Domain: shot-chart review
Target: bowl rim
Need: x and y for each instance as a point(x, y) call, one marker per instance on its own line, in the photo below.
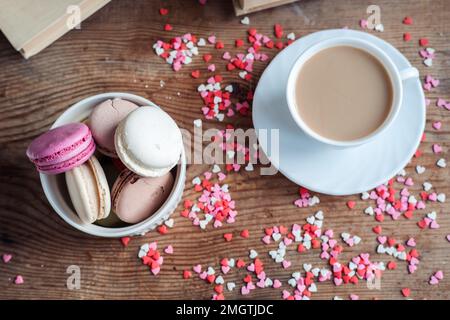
point(138, 228)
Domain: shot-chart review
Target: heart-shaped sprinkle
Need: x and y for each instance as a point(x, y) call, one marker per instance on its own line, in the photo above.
point(18, 280)
point(168, 249)
point(6, 257)
point(245, 21)
point(441, 163)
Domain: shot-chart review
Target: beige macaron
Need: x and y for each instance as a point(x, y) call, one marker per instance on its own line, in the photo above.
point(89, 191)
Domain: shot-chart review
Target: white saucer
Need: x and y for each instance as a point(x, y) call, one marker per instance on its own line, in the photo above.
point(327, 169)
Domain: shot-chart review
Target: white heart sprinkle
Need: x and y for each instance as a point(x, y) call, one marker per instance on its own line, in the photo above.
point(292, 282)
point(441, 163)
point(291, 36)
point(245, 21)
point(249, 167)
point(253, 254)
point(216, 169)
point(196, 181)
point(365, 196)
point(432, 215)
point(379, 27)
point(231, 286)
point(307, 267)
point(219, 280)
point(441, 197)
point(169, 223)
point(369, 211)
point(427, 186)
point(420, 169)
point(428, 62)
point(319, 215)
point(229, 88)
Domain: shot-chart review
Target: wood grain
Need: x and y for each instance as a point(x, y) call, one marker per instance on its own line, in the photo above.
point(113, 52)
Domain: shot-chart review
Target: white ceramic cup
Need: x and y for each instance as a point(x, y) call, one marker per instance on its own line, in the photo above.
point(396, 76)
point(55, 186)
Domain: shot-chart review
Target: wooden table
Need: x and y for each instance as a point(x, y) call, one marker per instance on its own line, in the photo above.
point(113, 52)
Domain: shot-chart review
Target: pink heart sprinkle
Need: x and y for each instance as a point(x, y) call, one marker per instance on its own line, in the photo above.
point(276, 284)
point(19, 280)
point(225, 269)
point(337, 281)
point(261, 283)
point(434, 280)
point(363, 23)
point(448, 237)
point(245, 291)
point(266, 239)
point(212, 39)
point(435, 83)
point(411, 242)
point(156, 270)
point(212, 67)
point(382, 239)
point(286, 294)
point(226, 56)
point(434, 225)
point(427, 86)
point(412, 268)
point(437, 125)
point(197, 268)
point(437, 148)
point(286, 264)
point(221, 176)
point(6, 257)
point(203, 275)
point(439, 275)
point(441, 102)
point(168, 249)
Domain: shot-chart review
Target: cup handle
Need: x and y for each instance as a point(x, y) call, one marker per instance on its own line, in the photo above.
point(409, 73)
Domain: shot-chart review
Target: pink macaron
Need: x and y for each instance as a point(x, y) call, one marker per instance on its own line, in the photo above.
point(103, 122)
point(62, 149)
point(135, 198)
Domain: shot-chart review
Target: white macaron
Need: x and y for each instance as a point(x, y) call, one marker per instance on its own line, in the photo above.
point(148, 142)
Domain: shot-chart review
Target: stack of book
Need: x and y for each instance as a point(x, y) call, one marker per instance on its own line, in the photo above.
point(247, 6)
point(32, 25)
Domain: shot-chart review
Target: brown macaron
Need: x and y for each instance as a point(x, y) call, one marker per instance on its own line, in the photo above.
point(135, 198)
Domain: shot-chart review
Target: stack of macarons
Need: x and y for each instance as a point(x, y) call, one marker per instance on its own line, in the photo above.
point(143, 142)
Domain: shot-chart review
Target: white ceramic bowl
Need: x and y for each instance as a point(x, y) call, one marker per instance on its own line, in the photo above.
point(55, 186)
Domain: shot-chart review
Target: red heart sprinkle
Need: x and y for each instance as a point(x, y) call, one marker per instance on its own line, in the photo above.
point(245, 233)
point(195, 74)
point(423, 42)
point(239, 43)
point(406, 292)
point(168, 27)
point(407, 36)
point(207, 57)
point(125, 241)
point(408, 21)
point(228, 236)
point(163, 11)
point(219, 45)
point(162, 229)
point(187, 274)
point(392, 265)
point(351, 204)
point(377, 229)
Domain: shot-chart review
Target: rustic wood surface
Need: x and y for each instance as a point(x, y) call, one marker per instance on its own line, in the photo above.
point(113, 52)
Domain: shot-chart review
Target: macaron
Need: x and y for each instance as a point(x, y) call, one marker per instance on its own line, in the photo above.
point(61, 149)
point(135, 198)
point(89, 191)
point(103, 122)
point(148, 142)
